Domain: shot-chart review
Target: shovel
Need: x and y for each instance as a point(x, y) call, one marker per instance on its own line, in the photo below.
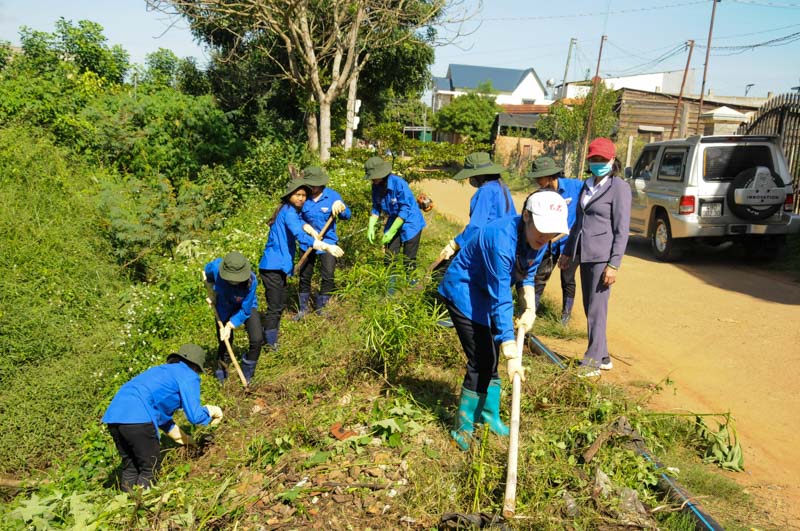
point(228, 345)
point(306, 254)
point(510, 502)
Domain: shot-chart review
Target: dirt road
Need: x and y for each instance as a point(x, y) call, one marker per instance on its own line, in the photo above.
point(727, 335)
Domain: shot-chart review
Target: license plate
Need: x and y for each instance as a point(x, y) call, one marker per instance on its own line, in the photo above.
point(710, 210)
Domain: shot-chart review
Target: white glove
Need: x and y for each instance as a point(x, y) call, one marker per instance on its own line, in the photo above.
point(308, 229)
point(337, 208)
point(449, 250)
point(514, 359)
point(333, 250)
point(211, 294)
point(179, 436)
point(216, 414)
point(527, 319)
point(225, 331)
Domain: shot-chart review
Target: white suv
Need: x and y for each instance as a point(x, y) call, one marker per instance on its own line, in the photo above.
point(715, 189)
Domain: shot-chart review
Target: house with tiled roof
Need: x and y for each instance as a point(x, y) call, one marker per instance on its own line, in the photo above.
point(511, 86)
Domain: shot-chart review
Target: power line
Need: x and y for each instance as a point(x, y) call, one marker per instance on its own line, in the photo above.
point(733, 50)
point(767, 4)
point(598, 14)
point(653, 62)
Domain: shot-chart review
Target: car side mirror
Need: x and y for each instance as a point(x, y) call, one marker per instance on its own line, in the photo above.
point(628, 172)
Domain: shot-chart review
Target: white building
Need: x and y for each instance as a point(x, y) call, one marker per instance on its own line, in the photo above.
point(665, 82)
point(511, 86)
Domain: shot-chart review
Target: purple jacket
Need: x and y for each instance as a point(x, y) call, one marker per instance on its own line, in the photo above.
point(600, 232)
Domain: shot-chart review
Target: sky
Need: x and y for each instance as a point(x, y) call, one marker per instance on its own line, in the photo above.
point(522, 34)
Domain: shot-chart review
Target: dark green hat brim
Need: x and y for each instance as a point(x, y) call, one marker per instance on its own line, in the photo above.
point(192, 353)
point(491, 169)
point(315, 176)
point(547, 172)
point(293, 186)
point(379, 172)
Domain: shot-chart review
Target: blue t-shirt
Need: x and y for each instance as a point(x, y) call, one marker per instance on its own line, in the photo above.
point(234, 302)
point(397, 200)
point(155, 395)
point(479, 279)
point(491, 201)
point(281, 246)
point(316, 214)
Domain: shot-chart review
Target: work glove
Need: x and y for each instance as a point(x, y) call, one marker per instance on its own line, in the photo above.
point(308, 229)
point(333, 250)
point(211, 294)
point(449, 250)
point(216, 414)
point(392, 232)
point(337, 208)
point(180, 436)
point(225, 331)
point(513, 357)
point(373, 224)
point(527, 303)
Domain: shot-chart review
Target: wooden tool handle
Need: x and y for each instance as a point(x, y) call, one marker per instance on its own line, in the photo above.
point(510, 502)
point(228, 345)
point(303, 258)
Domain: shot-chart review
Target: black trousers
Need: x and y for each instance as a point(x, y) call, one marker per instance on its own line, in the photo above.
point(327, 267)
point(138, 446)
point(410, 249)
point(275, 290)
point(255, 337)
point(479, 346)
point(546, 268)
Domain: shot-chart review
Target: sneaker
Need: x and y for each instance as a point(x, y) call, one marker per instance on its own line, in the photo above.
point(587, 371)
point(606, 365)
point(445, 323)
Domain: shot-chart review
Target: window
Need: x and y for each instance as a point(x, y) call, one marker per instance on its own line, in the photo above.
point(723, 163)
point(644, 166)
point(672, 165)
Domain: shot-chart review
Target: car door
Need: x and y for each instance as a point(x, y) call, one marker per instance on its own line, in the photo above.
point(642, 174)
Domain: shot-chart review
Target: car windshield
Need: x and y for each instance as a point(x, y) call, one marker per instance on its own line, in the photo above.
point(723, 163)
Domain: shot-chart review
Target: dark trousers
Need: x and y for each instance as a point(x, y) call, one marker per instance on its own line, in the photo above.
point(275, 289)
point(255, 336)
point(327, 267)
point(595, 305)
point(478, 343)
point(546, 268)
point(138, 446)
point(410, 249)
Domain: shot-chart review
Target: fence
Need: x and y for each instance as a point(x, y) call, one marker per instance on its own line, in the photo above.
point(781, 116)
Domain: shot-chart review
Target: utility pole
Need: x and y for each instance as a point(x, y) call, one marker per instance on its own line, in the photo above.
point(705, 67)
point(572, 43)
point(595, 81)
point(683, 84)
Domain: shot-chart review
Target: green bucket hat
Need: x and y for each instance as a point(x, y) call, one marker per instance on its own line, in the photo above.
point(292, 186)
point(193, 353)
point(376, 168)
point(315, 176)
point(234, 267)
point(478, 163)
point(543, 167)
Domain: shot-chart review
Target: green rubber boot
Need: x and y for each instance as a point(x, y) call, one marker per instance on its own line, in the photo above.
point(490, 414)
point(465, 422)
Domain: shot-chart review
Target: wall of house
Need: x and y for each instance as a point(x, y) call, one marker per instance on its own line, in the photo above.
point(516, 152)
point(529, 89)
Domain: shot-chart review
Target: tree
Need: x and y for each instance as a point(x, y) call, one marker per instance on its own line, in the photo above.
point(320, 46)
point(470, 116)
point(567, 125)
point(162, 68)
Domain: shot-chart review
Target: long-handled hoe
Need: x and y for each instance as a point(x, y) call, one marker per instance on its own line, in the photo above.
point(303, 258)
point(228, 345)
point(510, 502)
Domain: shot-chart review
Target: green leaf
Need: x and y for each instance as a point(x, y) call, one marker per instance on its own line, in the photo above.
point(317, 459)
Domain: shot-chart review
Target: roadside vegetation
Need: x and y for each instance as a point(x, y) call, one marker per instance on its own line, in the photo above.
point(116, 195)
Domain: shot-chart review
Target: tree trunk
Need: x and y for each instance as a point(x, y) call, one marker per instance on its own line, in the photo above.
point(312, 131)
point(351, 113)
point(324, 131)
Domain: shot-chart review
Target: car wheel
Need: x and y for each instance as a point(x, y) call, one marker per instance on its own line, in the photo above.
point(664, 246)
point(744, 179)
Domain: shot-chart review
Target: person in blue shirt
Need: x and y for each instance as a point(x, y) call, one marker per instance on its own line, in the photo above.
point(476, 289)
point(392, 196)
point(231, 287)
point(548, 175)
point(491, 200)
point(146, 404)
point(322, 204)
point(277, 262)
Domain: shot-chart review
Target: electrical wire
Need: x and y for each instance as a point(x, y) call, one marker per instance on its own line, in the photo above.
point(734, 50)
point(767, 4)
point(653, 62)
point(598, 14)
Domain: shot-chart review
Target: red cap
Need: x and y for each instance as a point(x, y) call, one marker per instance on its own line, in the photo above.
point(602, 147)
